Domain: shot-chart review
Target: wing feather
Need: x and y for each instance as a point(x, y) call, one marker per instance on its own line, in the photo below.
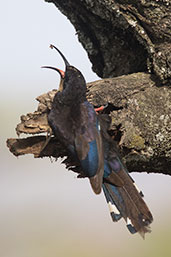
point(89, 148)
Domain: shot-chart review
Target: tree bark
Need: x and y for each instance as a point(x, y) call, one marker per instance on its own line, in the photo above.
point(123, 37)
point(141, 123)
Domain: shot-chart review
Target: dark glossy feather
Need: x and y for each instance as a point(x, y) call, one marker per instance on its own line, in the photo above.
point(121, 193)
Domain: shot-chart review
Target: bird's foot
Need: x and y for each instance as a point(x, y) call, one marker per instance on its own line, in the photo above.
point(48, 137)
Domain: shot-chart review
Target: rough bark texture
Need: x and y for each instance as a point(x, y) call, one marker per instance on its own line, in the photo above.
point(121, 38)
point(141, 123)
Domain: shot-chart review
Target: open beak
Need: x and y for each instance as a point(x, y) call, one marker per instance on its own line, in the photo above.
point(61, 72)
point(62, 75)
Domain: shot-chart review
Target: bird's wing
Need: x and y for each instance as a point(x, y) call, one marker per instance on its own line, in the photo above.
point(89, 149)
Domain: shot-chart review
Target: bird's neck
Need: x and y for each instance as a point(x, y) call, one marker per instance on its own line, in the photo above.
point(71, 97)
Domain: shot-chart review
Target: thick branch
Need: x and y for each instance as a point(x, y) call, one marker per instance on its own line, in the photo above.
point(123, 37)
point(141, 123)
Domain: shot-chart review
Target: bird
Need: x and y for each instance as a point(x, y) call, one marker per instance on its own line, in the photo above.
point(74, 122)
point(84, 132)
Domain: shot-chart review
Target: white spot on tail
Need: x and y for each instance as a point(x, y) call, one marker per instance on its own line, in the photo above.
point(128, 222)
point(112, 208)
point(99, 128)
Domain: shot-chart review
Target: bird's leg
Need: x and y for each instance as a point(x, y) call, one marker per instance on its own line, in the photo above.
point(48, 137)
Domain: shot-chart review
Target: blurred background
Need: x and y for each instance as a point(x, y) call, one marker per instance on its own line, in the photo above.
point(44, 210)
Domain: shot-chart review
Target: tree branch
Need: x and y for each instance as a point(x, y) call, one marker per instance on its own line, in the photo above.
point(141, 123)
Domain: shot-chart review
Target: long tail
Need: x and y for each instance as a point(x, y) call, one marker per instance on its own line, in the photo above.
point(127, 202)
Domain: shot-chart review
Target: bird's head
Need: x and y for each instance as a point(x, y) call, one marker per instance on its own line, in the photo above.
point(72, 79)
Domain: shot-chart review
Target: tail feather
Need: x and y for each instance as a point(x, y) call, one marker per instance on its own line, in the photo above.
point(114, 212)
point(115, 201)
point(120, 189)
point(130, 204)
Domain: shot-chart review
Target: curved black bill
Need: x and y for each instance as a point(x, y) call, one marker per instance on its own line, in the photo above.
point(61, 54)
